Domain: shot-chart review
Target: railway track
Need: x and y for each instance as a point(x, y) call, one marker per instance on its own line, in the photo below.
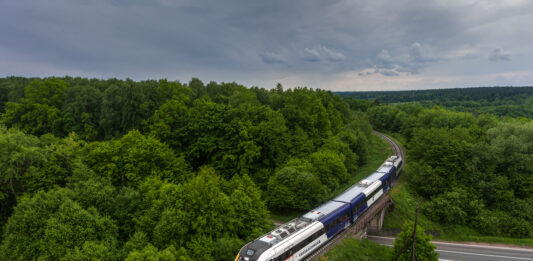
point(396, 148)
point(365, 218)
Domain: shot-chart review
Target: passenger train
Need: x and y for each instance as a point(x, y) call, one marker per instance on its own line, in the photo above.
point(298, 238)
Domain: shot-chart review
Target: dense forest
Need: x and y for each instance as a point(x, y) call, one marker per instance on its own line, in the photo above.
point(501, 101)
point(124, 170)
point(118, 169)
point(474, 171)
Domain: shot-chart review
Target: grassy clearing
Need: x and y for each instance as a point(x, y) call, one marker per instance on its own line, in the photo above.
point(354, 249)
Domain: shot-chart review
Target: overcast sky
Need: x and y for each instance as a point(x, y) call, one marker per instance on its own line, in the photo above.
point(335, 44)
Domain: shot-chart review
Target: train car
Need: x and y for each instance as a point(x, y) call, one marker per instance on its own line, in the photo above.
point(397, 162)
point(335, 216)
point(298, 238)
point(391, 170)
point(292, 241)
point(363, 194)
point(388, 170)
point(355, 197)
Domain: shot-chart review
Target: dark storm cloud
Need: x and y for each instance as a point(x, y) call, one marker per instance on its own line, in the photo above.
point(246, 41)
point(311, 55)
point(272, 58)
point(322, 53)
point(413, 61)
point(498, 55)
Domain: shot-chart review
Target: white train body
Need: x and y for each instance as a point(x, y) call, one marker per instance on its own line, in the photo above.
point(298, 238)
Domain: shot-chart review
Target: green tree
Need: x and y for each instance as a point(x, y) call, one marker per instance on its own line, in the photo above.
point(151, 253)
point(169, 124)
point(81, 112)
point(91, 250)
point(454, 207)
point(71, 227)
point(251, 215)
point(61, 157)
point(511, 145)
point(111, 112)
point(129, 160)
point(40, 109)
point(424, 249)
point(20, 156)
point(426, 180)
point(329, 167)
point(295, 188)
point(50, 225)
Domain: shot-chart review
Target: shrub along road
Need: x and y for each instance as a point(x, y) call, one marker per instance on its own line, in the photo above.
point(471, 252)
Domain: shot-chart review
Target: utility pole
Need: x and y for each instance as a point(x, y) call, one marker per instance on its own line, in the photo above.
point(407, 241)
point(414, 234)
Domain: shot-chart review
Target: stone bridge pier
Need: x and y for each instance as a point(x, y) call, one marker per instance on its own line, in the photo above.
point(372, 220)
point(376, 224)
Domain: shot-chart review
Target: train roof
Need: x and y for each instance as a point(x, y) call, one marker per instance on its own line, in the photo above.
point(385, 167)
point(323, 210)
point(351, 193)
point(372, 178)
point(284, 231)
point(393, 158)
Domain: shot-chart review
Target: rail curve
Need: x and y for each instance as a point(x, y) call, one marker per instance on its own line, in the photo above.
point(385, 200)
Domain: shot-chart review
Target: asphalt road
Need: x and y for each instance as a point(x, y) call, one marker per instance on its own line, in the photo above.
point(468, 252)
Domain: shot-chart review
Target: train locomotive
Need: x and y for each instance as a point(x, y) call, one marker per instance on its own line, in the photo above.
point(301, 236)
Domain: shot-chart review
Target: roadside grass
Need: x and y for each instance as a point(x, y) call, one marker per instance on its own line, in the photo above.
point(405, 200)
point(353, 249)
point(378, 151)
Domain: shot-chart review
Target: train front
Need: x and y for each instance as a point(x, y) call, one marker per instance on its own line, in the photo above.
point(253, 251)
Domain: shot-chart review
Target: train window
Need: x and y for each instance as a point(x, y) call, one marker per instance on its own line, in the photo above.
point(250, 252)
point(376, 191)
point(299, 246)
point(283, 235)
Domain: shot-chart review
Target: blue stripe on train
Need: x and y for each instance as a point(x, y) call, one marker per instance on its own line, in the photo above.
point(332, 223)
